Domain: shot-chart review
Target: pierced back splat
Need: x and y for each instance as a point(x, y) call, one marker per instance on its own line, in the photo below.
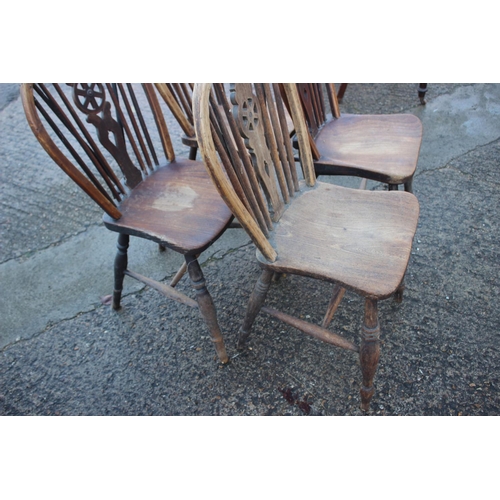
point(248, 114)
point(101, 126)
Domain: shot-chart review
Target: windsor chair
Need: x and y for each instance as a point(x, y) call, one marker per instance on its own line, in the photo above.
point(113, 141)
point(360, 240)
point(383, 148)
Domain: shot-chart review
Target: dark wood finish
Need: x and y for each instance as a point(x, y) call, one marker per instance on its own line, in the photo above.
point(107, 125)
point(422, 89)
point(121, 263)
point(383, 148)
point(206, 305)
point(359, 240)
point(115, 144)
point(398, 294)
point(180, 193)
point(369, 352)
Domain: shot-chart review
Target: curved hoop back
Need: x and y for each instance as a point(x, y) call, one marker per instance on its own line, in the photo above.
point(106, 137)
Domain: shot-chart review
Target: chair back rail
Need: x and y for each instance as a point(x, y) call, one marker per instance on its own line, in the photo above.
point(106, 137)
point(315, 106)
point(178, 97)
point(249, 155)
point(184, 93)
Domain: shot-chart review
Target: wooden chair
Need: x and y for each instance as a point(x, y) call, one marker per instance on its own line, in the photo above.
point(383, 148)
point(111, 139)
point(360, 240)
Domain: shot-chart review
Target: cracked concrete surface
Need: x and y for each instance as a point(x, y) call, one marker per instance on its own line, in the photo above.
point(63, 352)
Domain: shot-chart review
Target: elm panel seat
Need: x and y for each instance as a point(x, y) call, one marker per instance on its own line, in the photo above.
point(360, 240)
point(384, 147)
point(177, 205)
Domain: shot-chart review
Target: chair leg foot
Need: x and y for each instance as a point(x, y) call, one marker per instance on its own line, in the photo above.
point(277, 277)
point(206, 306)
point(369, 352)
point(121, 262)
point(422, 89)
point(398, 295)
point(255, 303)
point(193, 150)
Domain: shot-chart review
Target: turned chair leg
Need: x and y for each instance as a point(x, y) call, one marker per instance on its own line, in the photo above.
point(121, 261)
point(409, 186)
point(369, 352)
point(206, 306)
point(422, 89)
point(255, 303)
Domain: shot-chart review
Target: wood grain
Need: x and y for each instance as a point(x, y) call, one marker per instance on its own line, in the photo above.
point(359, 239)
point(385, 146)
point(177, 206)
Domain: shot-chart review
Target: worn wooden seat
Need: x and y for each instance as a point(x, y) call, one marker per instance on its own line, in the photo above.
point(357, 239)
point(176, 205)
point(383, 148)
point(337, 235)
point(108, 139)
